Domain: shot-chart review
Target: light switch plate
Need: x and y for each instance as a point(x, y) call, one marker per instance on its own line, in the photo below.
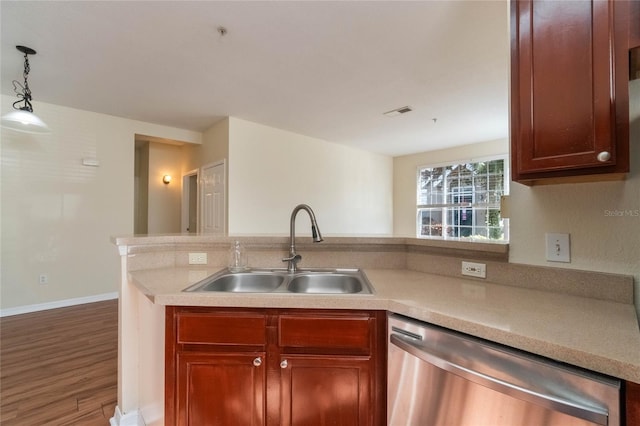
point(558, 248)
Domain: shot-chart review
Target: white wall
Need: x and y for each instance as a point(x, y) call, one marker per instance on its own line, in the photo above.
point(405, 174)
point(164, 199)
point(57, 215)
point(271, 171)
point(214, 147)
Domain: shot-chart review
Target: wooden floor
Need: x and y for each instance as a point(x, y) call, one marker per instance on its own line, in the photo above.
point(59, 367)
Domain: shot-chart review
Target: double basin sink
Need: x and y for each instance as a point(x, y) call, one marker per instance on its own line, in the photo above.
point(316, 281)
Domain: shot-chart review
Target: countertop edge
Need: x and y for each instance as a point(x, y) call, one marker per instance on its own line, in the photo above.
point(557, 351)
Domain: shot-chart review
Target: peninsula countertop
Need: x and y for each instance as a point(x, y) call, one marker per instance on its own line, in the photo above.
point(598, 335)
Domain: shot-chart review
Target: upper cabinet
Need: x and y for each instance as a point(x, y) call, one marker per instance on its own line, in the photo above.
point(569, 90)
point(634, 25)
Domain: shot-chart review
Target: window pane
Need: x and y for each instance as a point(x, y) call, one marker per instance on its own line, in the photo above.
point(480, 183)
point(468, 200)
point(493, 197)
point(460, 195)
point(430, 221)
point(465, 231)
point(494, 221)
point(481, 197)
point(495, 182)
point(459, 221)
point(431, 186)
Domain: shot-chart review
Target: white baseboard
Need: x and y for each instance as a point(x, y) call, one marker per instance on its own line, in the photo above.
point(57, 304)
point(130, 419)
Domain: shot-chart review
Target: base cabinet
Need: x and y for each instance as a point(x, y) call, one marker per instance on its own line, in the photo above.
point(632, 403)
point(274, 367)
point(221, 389)
point(326, 390)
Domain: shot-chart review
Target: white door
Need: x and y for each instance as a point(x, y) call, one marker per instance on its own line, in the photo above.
point(212, 202)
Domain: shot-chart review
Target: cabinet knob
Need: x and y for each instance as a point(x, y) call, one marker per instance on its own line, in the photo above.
point(604, 156)
point(284, 363)
point(257, 362)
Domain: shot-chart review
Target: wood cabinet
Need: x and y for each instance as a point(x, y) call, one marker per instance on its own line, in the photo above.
point(634, 25)
point(632, 403)
point(220, 388)
point(569, 89)
point(274, 367)
point(326, 390)
point(215, 367)
point(327, 362)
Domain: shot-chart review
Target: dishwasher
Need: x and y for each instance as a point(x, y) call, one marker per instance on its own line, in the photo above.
point(439, 377)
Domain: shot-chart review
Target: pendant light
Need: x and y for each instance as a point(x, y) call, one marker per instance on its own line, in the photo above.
point(23, 119)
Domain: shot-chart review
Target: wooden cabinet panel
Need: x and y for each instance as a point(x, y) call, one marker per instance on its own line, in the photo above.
point(632, 403)
point(220, 389)
point(634, 24)
point(325, 390)
point(348, 331)
point(221, 328)
point(569, 88)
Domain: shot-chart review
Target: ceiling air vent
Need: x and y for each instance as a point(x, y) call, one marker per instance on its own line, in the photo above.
point(398, 111)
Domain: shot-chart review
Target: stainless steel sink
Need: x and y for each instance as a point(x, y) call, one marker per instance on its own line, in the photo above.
point(244, 282)
point(337, 283)
point(316, 281)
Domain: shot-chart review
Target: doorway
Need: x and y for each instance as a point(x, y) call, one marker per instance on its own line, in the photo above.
point(156, 200)
point(190, 202)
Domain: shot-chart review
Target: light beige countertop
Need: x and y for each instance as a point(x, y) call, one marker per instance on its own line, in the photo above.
point(599, 335)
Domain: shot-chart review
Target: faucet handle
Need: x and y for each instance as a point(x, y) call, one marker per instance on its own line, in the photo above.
point(292, 262)
point(295, 258)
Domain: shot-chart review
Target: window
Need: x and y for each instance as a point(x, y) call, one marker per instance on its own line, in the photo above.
point(462, 200)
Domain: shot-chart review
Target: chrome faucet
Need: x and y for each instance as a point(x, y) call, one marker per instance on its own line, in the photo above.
point(294, 258)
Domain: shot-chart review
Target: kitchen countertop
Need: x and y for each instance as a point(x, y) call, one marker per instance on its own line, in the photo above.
point(598, 335)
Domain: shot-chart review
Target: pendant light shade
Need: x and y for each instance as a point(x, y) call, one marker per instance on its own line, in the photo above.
point(23, 119)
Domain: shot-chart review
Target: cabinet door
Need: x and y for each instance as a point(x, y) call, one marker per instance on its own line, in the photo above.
point(632, 393)
point(569, 95)
point(220, 389)
point(326, 390)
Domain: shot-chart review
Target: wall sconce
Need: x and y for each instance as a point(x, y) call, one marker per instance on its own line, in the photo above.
point(166, 179)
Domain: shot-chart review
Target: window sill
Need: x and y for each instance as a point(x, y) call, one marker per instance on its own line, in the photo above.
point(466, 248)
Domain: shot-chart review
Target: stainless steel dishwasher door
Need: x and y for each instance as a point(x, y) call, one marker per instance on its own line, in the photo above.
point(437, 377)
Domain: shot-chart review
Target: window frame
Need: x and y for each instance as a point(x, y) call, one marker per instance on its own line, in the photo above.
point(447, 208)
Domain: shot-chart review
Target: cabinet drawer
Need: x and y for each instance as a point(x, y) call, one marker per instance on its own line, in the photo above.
point(338, 332)
point(221, 329)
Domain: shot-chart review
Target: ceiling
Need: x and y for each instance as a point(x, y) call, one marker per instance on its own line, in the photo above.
point(326, 69)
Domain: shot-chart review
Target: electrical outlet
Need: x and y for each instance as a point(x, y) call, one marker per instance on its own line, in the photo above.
point(558, 248)
point(471, 269)
point(43, 279)
point(197, 258)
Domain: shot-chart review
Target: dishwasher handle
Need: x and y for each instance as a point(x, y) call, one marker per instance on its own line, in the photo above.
point(554, 402)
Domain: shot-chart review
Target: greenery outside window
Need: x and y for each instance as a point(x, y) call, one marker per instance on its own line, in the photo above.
point(462, 200)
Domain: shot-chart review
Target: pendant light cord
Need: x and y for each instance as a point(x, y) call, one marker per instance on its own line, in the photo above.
point(24, 93)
